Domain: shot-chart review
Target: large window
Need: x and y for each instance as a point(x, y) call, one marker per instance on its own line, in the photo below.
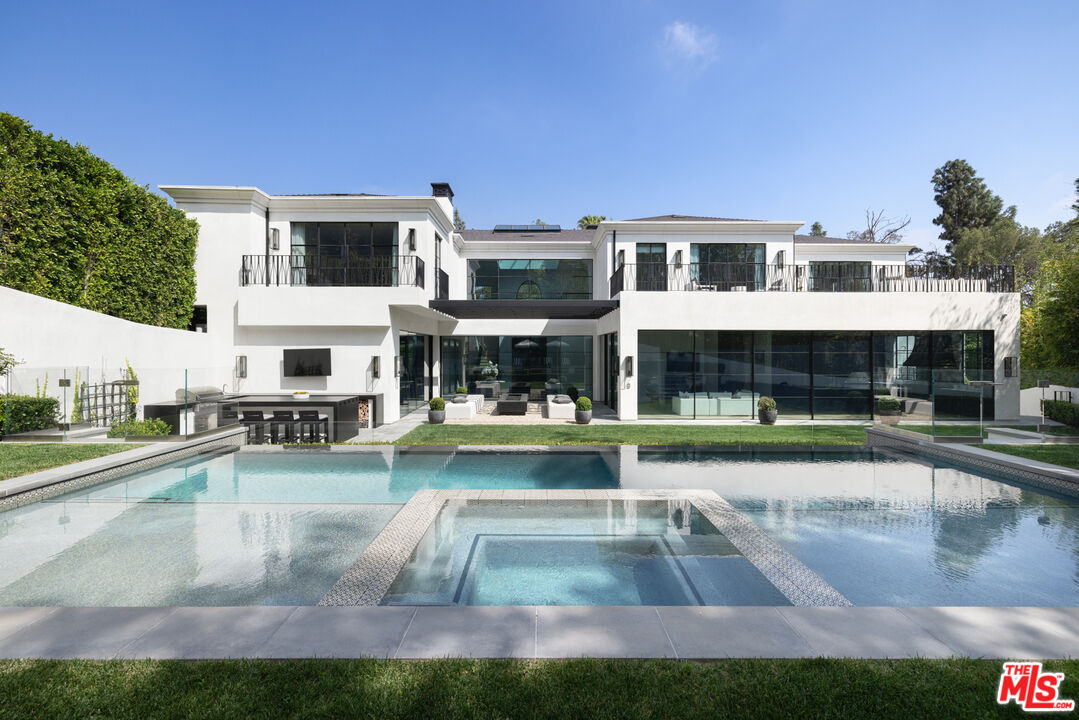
point(344, 253)
point(840, 276)
point(812, 374)
point(651, 266)
point(532, 364)
point(727, 266)
point(530, 279)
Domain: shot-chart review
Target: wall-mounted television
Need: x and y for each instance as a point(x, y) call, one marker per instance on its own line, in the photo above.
point(310, 362)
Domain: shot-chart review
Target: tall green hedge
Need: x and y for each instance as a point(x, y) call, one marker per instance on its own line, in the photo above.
point(1065, 412)
point(23, 413)
point(74, 229)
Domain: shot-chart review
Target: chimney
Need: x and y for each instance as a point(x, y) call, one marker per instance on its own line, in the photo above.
point(441, 189)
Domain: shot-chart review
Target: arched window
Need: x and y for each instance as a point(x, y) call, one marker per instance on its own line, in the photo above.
point(529, 290)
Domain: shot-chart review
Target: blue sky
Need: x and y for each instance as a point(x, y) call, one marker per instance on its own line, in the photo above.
point(771, 110)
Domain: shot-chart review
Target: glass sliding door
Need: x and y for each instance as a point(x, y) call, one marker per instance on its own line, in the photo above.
point(841, 382)
point(415, 371)
point(840, 276)
point(534, 365)
point(651, 266)
point(728, 266)
point(782, 370)
point(452, 364)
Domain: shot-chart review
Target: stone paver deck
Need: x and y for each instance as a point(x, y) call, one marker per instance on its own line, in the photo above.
point(539, 632)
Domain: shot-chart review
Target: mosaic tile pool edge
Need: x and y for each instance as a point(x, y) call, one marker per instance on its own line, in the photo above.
point(368, 580)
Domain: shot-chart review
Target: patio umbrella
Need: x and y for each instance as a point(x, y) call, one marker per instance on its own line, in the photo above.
point(526, 344)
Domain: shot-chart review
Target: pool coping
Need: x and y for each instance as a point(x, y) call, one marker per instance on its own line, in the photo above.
point(45, 484)
point(534, 449)
point(1038, 474)
point(409, 632)
point(369, 578)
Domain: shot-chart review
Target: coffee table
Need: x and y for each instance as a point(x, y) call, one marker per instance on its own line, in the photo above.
point(513, 404)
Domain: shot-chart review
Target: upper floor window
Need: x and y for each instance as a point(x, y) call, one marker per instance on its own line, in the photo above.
point(840, 276)
point(530, 279)
point(338, 253)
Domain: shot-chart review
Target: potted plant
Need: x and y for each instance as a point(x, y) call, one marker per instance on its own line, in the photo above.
point(766, 411)
point(583, 414)
point(889, 409)
point(462, 390)
point(437, 414)
point(489, 371)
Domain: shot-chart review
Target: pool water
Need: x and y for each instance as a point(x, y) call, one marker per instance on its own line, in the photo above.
point(258, 528)
point(578, 553)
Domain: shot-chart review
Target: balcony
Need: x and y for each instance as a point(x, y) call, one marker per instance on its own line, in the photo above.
point(825, 277)
point(385, 271)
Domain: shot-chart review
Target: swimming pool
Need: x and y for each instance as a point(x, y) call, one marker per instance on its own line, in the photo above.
point(266, 528)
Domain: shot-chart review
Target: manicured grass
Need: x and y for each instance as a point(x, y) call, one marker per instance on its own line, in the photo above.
point(1066, 455)
point(635, 435)
point(22, 458)
point(972, 430)
point(945, 430)
point(559, 689)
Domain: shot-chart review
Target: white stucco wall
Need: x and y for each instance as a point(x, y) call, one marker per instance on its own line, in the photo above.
point(52, 336)
point(824, 311)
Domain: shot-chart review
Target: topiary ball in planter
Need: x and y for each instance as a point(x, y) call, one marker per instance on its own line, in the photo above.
point(766, 411)
point(437, 414)
point(583, 414)
point(889, 409)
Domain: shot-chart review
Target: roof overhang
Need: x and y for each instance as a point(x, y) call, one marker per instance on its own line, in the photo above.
point(228, 195)
point(525, 309)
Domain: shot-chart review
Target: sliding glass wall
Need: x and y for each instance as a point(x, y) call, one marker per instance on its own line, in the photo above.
point(810, 374)
point(414, 380)
point(532, 364)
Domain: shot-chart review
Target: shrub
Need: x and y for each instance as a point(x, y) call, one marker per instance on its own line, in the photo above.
point(23, 413)
point(766, 403)
point(1065, 412)
point(889, 403)
point(584, 403)
point(157, 426)
point(438, 403)
point(462, 390)
point(882, 391)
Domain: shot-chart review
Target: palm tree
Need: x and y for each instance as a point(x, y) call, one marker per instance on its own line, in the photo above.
point(590, 220)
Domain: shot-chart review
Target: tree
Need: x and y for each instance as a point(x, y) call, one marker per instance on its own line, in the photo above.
point(458, 223)
point(1054, 316)
point(965, 201)
point(1004, 242)
point(880, 229)
point(817, 230)
point(539, 222)
point(590, 220)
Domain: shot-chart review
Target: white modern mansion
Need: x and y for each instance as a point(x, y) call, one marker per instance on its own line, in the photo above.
point(695, 317)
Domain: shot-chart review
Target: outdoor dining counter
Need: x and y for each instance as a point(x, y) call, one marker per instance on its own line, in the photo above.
point(343, 410)
point(347, 414)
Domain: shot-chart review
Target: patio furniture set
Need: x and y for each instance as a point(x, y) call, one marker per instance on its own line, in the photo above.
point(310, 426)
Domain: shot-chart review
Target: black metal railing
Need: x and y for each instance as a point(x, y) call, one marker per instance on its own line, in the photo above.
point(442, 292)
point(829, 277)
point(384, 271)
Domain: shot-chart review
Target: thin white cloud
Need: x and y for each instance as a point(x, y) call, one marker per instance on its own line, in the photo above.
point(687, 44)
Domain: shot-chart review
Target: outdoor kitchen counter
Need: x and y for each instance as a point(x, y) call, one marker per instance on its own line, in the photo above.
point(343, 410)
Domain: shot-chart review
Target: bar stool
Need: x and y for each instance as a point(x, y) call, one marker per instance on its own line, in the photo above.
point(253, 420)
point(283, 420)
point(317, 426)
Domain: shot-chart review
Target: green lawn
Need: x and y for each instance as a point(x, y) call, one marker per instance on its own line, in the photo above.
point(635, 435)
point(1066, 455)
point(560, 689)
point(972, 430)
point(22, 458)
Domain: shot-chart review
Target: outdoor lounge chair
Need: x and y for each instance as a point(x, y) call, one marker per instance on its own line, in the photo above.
point(560, 407)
